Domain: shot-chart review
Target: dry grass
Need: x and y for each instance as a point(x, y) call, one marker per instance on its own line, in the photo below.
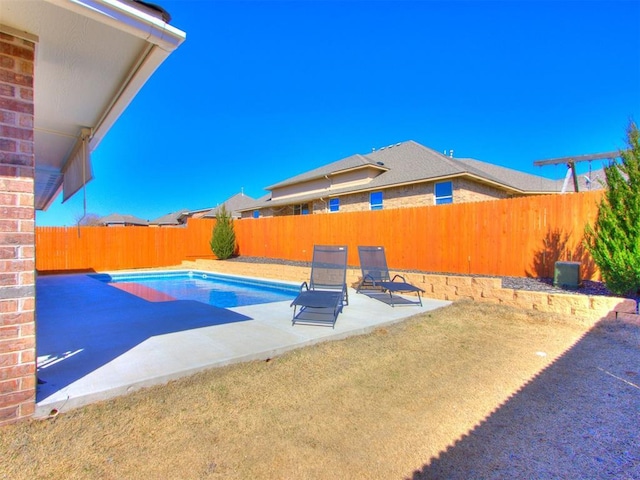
point(383, 405)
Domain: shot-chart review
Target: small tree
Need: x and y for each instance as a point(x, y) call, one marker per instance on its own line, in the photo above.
point(614, 241)
point(223, 241)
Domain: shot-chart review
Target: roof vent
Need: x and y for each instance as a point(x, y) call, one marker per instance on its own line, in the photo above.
point(380, 163)
point(398, 144)
point(450, 153)
point(383, 148)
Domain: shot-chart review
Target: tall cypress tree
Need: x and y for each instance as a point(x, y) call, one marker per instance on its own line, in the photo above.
point(614, 240)
point(223, 240)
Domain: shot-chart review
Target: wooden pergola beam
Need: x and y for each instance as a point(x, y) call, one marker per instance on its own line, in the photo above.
point(577, 158)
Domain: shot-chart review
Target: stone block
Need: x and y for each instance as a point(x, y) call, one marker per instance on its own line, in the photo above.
point(459, 281)
point(445, 292)
point(564, 303)
point(467, 292)
point(603, 305)
point(504, 294)
point(486, 283)
point(437, 281)
point(633, 318)
point(528, 299)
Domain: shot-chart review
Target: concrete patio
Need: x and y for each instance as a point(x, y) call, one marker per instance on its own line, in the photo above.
point(96, 342)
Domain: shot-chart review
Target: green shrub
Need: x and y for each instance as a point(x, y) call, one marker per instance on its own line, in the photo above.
point(614, 240)
point(223, 240)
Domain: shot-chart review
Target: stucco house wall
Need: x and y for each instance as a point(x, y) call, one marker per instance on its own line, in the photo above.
point(17, 230)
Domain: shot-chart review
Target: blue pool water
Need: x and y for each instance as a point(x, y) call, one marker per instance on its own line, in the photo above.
point(217, 290)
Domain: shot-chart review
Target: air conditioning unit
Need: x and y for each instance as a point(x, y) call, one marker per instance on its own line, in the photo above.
point(567, 275)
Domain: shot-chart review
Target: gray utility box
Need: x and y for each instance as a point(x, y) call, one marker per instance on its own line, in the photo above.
point(567, 275)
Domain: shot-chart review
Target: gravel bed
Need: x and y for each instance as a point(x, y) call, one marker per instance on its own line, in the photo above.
point(517, 283)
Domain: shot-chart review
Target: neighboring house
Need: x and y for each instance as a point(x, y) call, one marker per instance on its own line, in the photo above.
point(198, 213)
point(235, 206)
point(68, 70)
point(174, 219)
point(117, 220)
point(402, 175)
point(179, 218)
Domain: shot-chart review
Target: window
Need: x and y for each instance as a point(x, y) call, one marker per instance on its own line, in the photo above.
point(301, 209)
point(375, 200)
point(334, 204)
point(444, 193)
point(256, 214)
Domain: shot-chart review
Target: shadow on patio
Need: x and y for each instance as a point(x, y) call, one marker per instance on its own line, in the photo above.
point(83, 324)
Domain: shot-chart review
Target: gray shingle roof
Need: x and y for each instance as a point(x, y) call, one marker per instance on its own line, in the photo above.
point(410, 162)
point(320, 172)
point(521, 181)
point(174, 218)
point(118, 219)
point(234, 205)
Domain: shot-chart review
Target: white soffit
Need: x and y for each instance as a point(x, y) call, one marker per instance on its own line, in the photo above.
point(92, 57)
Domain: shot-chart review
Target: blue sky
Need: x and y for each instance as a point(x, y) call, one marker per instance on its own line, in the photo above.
point(261, 91)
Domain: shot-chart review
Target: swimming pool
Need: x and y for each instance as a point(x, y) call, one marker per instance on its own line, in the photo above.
point(209, 288)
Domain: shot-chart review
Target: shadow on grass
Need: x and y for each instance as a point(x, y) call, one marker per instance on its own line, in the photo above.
point(83, 324)
point(578, 418)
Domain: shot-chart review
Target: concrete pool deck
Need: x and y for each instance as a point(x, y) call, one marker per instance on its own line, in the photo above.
point(96, 342)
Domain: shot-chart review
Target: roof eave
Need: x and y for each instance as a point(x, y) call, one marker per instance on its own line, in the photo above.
point(161, 38)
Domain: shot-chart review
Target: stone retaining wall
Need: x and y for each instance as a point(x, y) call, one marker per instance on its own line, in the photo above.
point(452, 287)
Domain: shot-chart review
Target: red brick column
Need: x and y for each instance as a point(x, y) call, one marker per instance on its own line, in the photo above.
point(17, 230)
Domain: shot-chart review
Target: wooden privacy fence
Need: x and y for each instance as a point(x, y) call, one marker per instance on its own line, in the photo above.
point(116, 248)
point(516, 237)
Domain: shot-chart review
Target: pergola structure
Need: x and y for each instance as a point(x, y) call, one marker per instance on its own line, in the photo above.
point(570, 162)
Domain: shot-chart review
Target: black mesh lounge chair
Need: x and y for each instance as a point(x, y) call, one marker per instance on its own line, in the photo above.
point(323, 297)
point(375, 274)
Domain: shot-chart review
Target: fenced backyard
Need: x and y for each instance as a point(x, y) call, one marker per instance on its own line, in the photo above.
point(513, 237)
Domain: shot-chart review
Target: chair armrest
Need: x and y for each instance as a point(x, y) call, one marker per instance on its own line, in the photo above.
point(398, 276)
point(371, 279)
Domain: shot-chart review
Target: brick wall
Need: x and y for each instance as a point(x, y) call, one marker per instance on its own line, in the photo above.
point(467, 191)
point(413, 195)
point(17, 230)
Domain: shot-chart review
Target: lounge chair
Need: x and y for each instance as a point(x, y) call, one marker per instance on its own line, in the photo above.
point(375, 274)
point(322, 299)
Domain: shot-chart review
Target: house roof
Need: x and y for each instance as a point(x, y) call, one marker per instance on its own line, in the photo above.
point(234, 205)
point(348, 163)
point(118, 219)
point(92, 58)
point(174, 218)
point(409, 162)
